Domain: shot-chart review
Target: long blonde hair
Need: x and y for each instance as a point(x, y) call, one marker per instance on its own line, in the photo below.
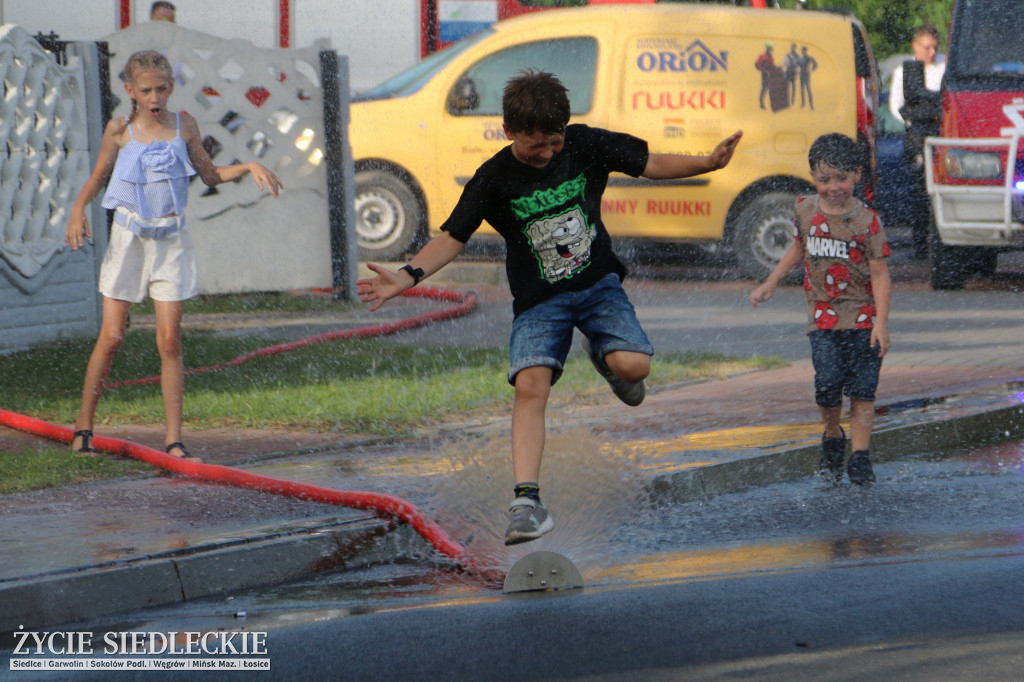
point(141, 61)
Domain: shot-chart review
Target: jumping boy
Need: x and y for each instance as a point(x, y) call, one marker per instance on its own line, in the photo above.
point(843, 248)
point(542, 193)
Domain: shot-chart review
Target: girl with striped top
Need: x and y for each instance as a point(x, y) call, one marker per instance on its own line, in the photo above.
point(148, 158)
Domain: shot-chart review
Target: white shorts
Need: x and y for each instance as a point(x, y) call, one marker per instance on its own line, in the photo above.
point(134, 266)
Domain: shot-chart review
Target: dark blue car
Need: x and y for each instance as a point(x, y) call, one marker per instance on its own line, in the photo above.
point(894, 183)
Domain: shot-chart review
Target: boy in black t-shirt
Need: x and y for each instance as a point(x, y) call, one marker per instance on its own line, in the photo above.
point(542, 193)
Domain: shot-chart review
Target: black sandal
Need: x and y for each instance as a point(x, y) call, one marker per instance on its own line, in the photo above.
point(86, 449)
point(181, 446)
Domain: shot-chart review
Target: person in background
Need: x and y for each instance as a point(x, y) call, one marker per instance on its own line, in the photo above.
point(925, 45)
point(161, 10)
point(920, 114)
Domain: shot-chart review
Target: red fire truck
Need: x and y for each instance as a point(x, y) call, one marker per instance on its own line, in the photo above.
point(443, 22)
point(975, 166)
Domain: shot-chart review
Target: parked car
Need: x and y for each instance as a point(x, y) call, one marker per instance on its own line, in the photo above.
point(894, 180)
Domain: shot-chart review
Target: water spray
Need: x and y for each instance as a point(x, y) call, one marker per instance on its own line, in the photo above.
point(538, 571)
point(388, 505)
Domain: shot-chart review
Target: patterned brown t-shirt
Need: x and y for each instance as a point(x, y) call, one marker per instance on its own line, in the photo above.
point(837, 277)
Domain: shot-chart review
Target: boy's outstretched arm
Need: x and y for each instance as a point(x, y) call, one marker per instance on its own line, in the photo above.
point(437, 253)
point(672, 166)
point(793, 256)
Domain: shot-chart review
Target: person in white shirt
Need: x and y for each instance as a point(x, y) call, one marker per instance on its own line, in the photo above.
point(921, 120)
point(925, 45)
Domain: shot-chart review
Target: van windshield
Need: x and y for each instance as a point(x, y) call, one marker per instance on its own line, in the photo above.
point(988, 43)
point(411, 80)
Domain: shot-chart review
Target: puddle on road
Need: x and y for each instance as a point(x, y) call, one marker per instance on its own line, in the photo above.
point(1009, 455)
point(807, 555)
point(620, 542)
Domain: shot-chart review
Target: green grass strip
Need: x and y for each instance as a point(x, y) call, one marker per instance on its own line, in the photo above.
point(371, 386)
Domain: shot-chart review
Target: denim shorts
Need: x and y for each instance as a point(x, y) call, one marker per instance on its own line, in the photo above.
point(844, 363)
point(542, 335)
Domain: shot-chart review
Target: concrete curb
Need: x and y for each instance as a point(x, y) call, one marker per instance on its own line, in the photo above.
point(179, 576)
point(941, 436)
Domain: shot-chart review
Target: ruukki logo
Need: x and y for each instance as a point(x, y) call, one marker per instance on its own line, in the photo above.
point(697, 100)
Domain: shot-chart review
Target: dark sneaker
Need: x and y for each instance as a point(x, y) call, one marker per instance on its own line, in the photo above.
point(630, 393)
point(859, 468)
point(833, 452)
point(530, 520)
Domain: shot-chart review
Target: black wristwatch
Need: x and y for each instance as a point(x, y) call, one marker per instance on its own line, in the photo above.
point(416, 273)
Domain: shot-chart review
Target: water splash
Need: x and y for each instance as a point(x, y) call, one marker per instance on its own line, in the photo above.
point(592, 489)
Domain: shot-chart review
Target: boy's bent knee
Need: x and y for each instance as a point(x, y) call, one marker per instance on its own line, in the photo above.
point(628, 365)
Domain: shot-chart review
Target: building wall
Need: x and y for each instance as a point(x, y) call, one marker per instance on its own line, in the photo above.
point(379, 37)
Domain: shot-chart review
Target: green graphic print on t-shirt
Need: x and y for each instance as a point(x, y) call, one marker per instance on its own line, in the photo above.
point(560, 242)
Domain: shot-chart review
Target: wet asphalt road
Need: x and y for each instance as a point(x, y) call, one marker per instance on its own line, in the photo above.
point(916, 578)
point(687, 304)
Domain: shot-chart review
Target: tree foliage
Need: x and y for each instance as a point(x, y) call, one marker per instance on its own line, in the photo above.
point(890, 24)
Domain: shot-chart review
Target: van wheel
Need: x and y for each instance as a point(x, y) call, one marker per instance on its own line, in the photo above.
point(388, 216)
point(764, 231)
point(948, 264)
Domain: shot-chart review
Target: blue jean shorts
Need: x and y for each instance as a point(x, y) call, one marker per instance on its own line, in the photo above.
point(844, 363)
point(542, 335)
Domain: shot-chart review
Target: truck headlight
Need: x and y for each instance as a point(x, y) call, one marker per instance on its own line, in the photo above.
point(968, 165)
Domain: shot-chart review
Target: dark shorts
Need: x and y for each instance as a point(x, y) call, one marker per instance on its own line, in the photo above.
point(542, 335)
point(844, 363)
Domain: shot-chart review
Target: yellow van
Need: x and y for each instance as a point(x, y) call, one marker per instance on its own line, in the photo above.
point(681, 77)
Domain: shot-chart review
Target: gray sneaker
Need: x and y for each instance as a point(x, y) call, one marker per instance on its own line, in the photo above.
point(530, 520)
point(630, 393)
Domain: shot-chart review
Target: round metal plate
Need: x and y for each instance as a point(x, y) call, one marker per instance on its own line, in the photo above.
point(540, 571)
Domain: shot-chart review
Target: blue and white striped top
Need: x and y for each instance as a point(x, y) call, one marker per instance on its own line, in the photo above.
point(151, 179)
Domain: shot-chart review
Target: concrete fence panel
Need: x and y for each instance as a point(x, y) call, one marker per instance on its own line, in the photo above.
point(46, 291)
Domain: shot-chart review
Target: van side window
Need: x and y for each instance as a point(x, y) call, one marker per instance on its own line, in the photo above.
point(477, 92)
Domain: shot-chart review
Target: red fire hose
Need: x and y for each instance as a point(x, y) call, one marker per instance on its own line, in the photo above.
point(215, 473)
point(388, 505)
point(466, 301)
